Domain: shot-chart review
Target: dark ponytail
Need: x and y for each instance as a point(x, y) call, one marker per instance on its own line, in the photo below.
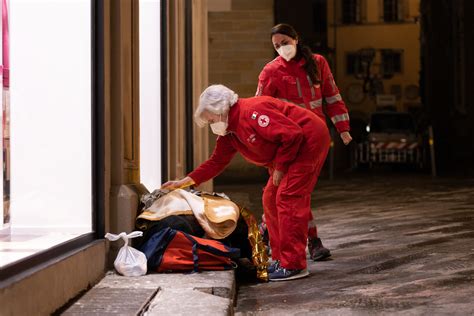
point(302, 51)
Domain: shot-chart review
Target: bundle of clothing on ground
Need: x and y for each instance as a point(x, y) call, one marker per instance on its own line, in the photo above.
point(194, 231)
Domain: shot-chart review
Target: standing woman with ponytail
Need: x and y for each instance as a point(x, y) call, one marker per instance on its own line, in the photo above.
point(301, 77)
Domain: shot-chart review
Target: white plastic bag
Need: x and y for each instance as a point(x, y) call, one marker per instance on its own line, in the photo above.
point(129, 261)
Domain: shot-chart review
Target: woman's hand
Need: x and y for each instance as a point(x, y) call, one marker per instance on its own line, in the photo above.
point(346, 137)
point(277, 176)
point(178, 184)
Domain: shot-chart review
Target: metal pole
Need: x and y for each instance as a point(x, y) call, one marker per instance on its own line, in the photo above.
point(432, 151)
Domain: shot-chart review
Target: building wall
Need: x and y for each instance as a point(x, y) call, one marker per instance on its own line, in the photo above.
point(239, 44)
point(373, 32)
point(239, 47)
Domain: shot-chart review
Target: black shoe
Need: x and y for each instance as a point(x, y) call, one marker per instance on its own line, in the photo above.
point(274, 266)
point(316, 249)
point(282, 274)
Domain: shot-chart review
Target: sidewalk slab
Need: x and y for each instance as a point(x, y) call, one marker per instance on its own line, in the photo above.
point(204, 293)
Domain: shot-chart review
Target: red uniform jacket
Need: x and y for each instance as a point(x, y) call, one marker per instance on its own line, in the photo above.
point(265, 131)
point(289, 81)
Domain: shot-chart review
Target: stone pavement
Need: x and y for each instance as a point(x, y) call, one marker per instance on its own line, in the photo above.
point(401, 245)
point(206, 293)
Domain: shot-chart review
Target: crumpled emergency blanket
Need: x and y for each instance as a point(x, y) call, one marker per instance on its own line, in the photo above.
point(218, 216)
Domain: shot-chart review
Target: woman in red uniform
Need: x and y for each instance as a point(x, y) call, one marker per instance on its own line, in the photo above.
point(301, 77)
point(282, 137)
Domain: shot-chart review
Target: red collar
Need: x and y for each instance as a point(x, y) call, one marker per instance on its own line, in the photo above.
point(233, 117)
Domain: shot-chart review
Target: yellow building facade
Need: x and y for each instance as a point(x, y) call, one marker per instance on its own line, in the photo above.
point(390, 29)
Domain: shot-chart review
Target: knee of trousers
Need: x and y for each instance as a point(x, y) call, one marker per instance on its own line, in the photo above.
point(293, 200)
point(269, 196)
point(297, 207)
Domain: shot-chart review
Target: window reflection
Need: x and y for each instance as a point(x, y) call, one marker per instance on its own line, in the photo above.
point(5, 120)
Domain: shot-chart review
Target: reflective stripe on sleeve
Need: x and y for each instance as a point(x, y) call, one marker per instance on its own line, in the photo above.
point(340, 118)
point(316, 103)
point(333, 99)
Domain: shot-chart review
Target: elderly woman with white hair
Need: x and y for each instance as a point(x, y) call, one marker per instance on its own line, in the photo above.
point(282, 137)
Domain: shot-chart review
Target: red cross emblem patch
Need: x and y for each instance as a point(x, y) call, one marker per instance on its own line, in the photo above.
point(263, 121)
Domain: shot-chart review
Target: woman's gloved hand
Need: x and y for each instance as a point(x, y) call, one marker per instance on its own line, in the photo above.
point(178, 184)
point(346, 137)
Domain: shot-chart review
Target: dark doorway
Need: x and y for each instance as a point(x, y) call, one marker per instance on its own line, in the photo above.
point(309, 18)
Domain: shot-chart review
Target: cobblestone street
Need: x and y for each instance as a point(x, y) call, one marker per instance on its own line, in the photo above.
point(400, 244)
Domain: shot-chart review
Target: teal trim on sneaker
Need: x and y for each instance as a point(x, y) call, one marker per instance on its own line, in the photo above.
point(273, 266)
point(282, 274)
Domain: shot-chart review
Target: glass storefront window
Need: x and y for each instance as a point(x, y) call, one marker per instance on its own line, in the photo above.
point(50, 160)
point(5, 115)
point(150, 93)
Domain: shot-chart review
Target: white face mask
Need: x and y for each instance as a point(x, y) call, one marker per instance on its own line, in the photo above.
point(287, 51)
point(219, 128)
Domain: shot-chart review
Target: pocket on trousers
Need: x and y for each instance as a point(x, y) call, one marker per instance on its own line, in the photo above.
point(300, 180)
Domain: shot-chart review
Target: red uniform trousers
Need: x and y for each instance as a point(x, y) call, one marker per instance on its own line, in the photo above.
point(287, 207)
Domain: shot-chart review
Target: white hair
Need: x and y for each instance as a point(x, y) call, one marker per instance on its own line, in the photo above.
point(215, 99)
